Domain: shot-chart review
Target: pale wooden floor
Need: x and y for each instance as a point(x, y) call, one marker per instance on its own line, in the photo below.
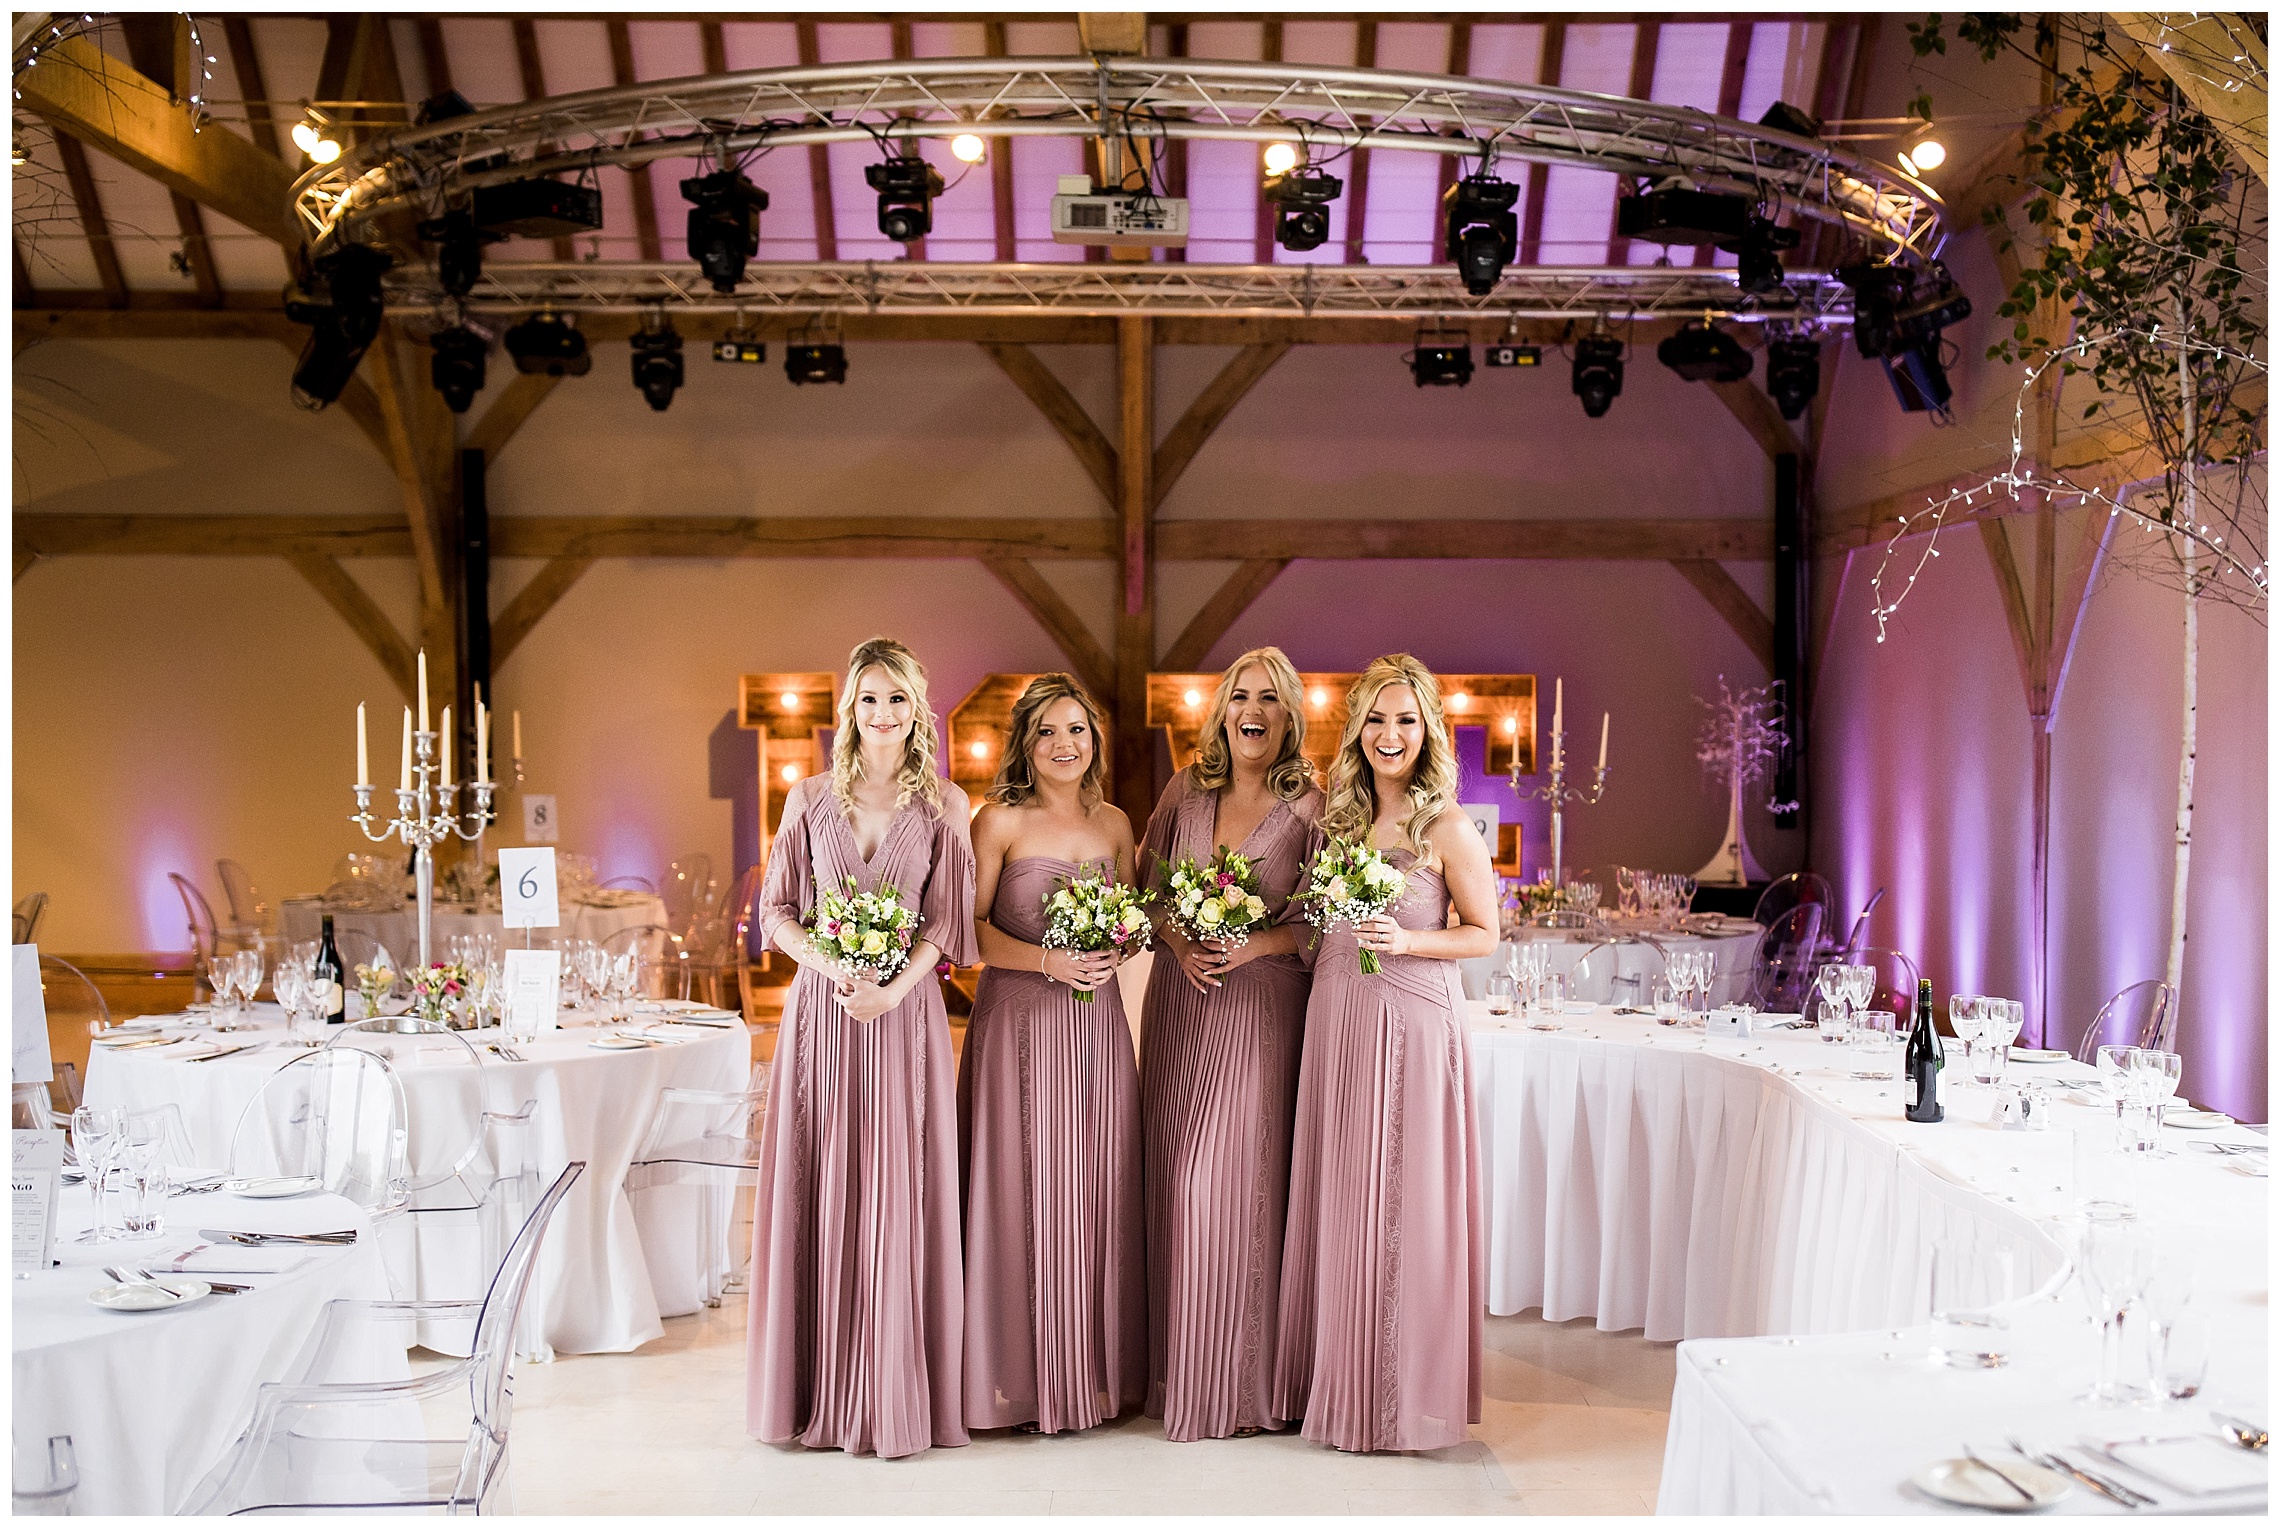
point(1573, 1422)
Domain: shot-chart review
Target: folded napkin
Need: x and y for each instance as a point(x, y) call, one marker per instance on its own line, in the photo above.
point(208, 1258)
point(2195, 1465)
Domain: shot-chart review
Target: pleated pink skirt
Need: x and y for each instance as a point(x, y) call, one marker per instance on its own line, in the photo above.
point(1382, 1261)
point(1056, 1299)
point(1218, 1077)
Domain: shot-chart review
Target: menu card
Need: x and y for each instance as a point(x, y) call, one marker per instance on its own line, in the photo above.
point(35, 1167)
point(534, 989)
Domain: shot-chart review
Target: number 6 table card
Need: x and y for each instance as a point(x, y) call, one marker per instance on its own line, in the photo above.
point(528, 896)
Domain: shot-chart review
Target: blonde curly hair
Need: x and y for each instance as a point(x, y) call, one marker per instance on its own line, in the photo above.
point(1291, 772)
point(916, 776)
point(1352, 809)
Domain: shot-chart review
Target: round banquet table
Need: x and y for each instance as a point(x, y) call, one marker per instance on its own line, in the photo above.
point(594, 1292)
point(151, 1399)
point(1732, 946)
point(1752, 1190)
point(302, 918)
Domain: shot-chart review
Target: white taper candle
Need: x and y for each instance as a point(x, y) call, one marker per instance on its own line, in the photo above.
point(363, 757)
point(405, 782)
point(1603, 742)
point(423, 690)
point(444, 745)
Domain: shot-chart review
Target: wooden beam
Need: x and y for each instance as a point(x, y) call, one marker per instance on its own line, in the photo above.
point(89, 202)
point(824, 211)
point(23, 293)
point(2232, 97)
point(1733, 604)
point(1134, 775)
point(159, 46)
point(1460, 64)
point(1220, 612)
point(402, 394)
point(1088, 660)
point(245, 60)
point(363, 615)
point(531, 603)
point(516, 402)
point(1645, 46)
point(1210, 409)
point(637, 176)
point(1263, 211)
point(1730, 80)
point(434, 56)
point(1176, 151)
point(90, 95)
point(1532, 202)
point(1458, 540)
point(533, 71)
point(1760, 416)
point(1997, 539)
point(1357, 192)
point(1061, 410)
point(24, 561)
point(1001, 160)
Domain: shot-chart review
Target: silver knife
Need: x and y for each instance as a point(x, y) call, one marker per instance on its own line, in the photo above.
point(2122, 1496)
point(218, 1055)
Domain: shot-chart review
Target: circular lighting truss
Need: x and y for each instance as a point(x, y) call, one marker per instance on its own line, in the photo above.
point(1326, 111)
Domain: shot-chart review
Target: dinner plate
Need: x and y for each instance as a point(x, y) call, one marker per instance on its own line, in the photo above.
point(1968, 1483)
point(271, 1188)
point(2186, 1117)
point(142, 1295)
point(2038, 1057)
point(618, 1042)
point(123, 1036)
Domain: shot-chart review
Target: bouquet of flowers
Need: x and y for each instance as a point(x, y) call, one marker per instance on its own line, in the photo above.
point(1347, 882)
point(1218, 899)
point(864, 933)
point(372, 984)
point(436, 988)
point(1090, 912)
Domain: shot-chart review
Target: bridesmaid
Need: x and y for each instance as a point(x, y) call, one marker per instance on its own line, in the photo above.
point(1382, 1264)
point(1048, 1099)
point(1219, 1046)
point(858, 1301)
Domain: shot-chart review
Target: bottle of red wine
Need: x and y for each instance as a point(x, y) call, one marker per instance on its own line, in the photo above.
point(328, 966)
point(1925, 1058)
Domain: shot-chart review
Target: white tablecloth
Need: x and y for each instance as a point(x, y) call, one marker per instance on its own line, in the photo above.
point(594, 1293)
point(151, 1400)
point(1567, 945)
point(302, 918)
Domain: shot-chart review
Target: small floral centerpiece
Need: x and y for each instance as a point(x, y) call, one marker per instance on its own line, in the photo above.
point(373, 983)
point(1347, 882)
point(1089, 912)
point(1218, 899)
point(864, 933)
point(436, 992)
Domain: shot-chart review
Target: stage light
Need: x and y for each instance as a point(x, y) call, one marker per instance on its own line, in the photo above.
point(342, 304)
point(907, 186)
point(1898, 317)
point(1705, 353)
point(311, 138)
point(458, 253)
point(806, 364)
point(1793, 373)
point(1483, 233)
point(546, 342)
point(1919, 377)
point(1925, 154)
point(1281, 158)
point(1598, 375)
point(724, 224)
point(1758, 262)
point(1441, 365)
point(457, 367)
point(657, 368)
point(1302, 201)
point(968, 148)
point(1878, 291)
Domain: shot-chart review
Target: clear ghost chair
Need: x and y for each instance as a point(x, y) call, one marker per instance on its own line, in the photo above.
point(716, 955)
point(345, 1433)
point(441, 1147)
point(515, 1182)
point(1781, 972)
point(2143, 1014)
point(689, 893)
point(1794, 890)
point(165, 1121)
point(333, 1115)
point(663, 957)
point(205, 936)
point(1620, 971)
point(702, 1148)
point(358, 948)
point(250, 916)
point(1894, 989)
point(27, 916)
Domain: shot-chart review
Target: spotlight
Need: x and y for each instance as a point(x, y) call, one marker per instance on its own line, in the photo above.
point(547, 342)
point(907, 186)
point(1877, 291)
point(538, 208)
point(1934, 302)
point(341, 302)
point(458, 253)
point(724, 224)
point(1281, 158)
point(657, 365)
point(1919, 377)
point(1793, 373)
point(1924, 155)
point(1483, 233)
point(968, 148)
point(1759, 261)
point(1598, 378)
point(806, 364)
point(457, 366)
point(1704, 353)
point(312, 136)
point(1441, 360)
point(1302, 201)
point(1895, 309)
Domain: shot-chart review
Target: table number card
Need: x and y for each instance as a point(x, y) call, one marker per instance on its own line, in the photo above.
point(540, 825)
point(35, 1166)
point(1484, 815)
point(528, 894)
point(534, 989)
point(29, 1057)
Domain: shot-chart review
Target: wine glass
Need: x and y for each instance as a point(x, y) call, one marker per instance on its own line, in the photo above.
point(140, 1144)
point(96, 1136)
point(1835, 986)
point(625, 975)
point(2000, 1021)
point(2154, 1075)
point(249, 963)
point(2114, 1073)
point(594, 970)
point(2115, 1267)
point(1964, 1013)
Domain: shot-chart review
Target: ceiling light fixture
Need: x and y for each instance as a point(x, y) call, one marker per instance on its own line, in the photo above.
point(1281, 158)
point(547, 342)
point(1483, 232)
point(1793, 373)
point(724, 224)
point(1301, 199)
point(1705, 353)
point(1598, 373)
point(1441, 358)
point(657, 368)
point(969, 148)
point(457, 368)
point(907, 186)
point(341, 302)
point(312, 136)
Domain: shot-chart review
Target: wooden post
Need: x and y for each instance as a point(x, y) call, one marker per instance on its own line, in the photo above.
point(1134, 763)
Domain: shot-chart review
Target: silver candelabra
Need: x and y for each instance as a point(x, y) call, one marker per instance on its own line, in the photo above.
point(1559, 793)
point(426, 815)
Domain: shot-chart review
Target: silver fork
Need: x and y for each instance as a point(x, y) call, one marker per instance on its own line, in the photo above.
point(140, 1276)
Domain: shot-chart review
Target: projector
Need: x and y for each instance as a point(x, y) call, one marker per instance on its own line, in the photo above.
point(1082, 216)
point(537, 209)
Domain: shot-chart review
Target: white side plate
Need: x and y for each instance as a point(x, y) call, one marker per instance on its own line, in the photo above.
point(1969, 1484)
point(271, 1188)
point(142, 1296)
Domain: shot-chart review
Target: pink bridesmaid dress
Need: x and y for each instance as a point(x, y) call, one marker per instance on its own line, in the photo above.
point(1218, 1077)
point(1048, 1106)
point(1382, 1262)
point(858, 1300)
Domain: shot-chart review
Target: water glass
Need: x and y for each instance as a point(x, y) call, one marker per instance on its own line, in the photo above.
point(249, 970)
point(144, 1185)
point(1875, 1041)
point(1501, 991)
point(2180, 1359)
point(2115, 1265)
point(45, 1480)
point(2000, 1020)
point(1835, 989)
point(1669, 1008)
point(1972, 1283)
point(1964, 1017)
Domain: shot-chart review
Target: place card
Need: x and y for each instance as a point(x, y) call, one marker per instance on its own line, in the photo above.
point(534, 989)
point(35, 1167)
point(1731, 1023)
point(28, 1050)
point(529, 895)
